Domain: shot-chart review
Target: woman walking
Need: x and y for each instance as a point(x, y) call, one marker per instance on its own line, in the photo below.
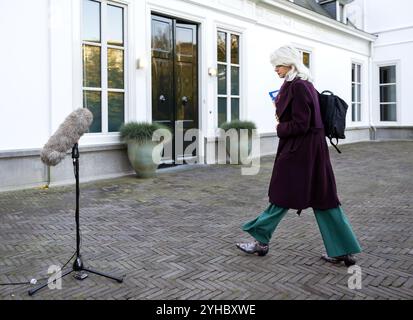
point(302, 175)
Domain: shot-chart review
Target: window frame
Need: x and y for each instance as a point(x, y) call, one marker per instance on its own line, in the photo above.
point(340, 12)
point(229, 96)
point(310, 54)
point(359, 104)
point(395, 64)
point(311, 51)
point(104, 89)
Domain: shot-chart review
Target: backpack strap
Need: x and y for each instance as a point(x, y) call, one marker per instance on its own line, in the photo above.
point(334, 145)
point(327, 91)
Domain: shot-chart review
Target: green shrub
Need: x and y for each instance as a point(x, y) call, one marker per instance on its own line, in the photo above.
point(237, 124)
point(140, 131)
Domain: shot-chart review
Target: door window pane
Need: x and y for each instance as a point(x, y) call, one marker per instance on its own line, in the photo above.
point(115, 25)
point(91, 66)
point(93, 101)
point(234, 109)
point(235, 81)
point(388, 93)
point(234, 49)
point(184, 42)
point(222, 110)
point(161, 36)
point(388, 74)
point(222, 47)
point(115, 68)
point(222, 79)
point(91, 21)
point(116, 110)
point(358, 93)
point(388, 112)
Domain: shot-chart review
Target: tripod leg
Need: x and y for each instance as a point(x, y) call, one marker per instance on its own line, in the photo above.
point(34, 290)
point(120, 280)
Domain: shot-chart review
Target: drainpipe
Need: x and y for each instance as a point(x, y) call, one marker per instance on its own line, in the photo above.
point(50, 85)
point(371, 90)
point(371, 77)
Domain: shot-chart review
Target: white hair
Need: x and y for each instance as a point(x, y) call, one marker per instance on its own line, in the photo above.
point(290, 56)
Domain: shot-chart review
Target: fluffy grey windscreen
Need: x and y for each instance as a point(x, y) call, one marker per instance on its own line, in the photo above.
point(69, 132)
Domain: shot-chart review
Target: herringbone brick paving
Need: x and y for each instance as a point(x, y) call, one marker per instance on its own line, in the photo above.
point(174, 236)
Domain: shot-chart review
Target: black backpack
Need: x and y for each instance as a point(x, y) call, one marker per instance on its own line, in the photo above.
point(333, 113)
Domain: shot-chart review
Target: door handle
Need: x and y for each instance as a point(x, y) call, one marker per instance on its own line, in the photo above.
point(185, 100)
point(162, 98)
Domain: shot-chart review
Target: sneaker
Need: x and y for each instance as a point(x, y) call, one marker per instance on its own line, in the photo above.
point(254, 247)
point(348, 259)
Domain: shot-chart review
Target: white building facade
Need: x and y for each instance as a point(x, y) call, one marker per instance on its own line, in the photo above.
point(392, 66)
point(155, 60)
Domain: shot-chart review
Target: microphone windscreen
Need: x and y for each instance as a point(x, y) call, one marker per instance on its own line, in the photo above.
point(69, 132)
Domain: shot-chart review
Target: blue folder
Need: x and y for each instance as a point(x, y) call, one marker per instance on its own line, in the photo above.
point(273, 94)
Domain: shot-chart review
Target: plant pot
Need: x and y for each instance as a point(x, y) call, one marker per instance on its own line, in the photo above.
point(144, 157)
point(244, 148)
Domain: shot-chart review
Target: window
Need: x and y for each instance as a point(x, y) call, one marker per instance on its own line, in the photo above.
point(305, 57)
point(228, 58)
point(388, 98)
point(330, 7)
point(341, 13)
point(356, 92)
point(103, 47)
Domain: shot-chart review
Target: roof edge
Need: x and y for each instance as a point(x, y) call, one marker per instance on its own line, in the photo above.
point(311, 15)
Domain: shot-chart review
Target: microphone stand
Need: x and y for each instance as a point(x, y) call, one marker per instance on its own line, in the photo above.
point(78, 265)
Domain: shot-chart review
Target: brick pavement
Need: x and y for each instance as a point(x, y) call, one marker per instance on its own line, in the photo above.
point(174, 236)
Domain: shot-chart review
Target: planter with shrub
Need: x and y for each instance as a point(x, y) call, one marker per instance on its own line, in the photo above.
point(241, 147)
point(143, 153)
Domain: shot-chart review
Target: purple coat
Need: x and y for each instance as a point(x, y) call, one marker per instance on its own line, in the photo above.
point(302, 176)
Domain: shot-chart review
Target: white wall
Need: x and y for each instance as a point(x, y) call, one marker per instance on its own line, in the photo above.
point(44, 64)
point(401, 55)
point(387, 14)
point(331, 70)
point(263, 31)
point(332, 55)
point(393, 23)
point(375, 16)
point(25, 68)
point(355, 13)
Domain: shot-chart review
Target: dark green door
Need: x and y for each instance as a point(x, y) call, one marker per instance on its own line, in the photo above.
point(175, 78)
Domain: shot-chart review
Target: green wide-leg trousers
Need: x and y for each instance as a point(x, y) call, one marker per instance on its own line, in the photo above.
point(336, 231)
